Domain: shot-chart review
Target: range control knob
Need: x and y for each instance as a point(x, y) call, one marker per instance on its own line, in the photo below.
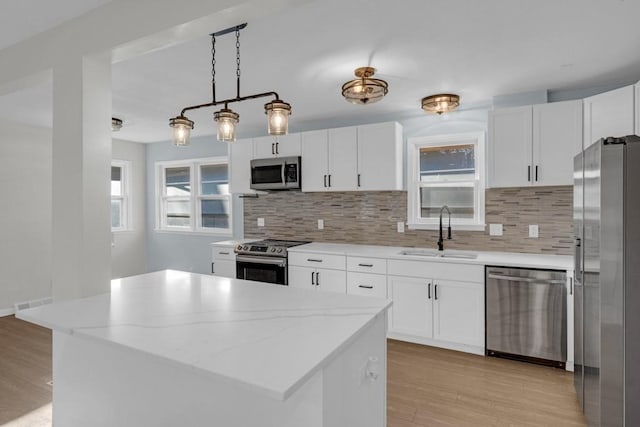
point(244, 248)
point(279, 250)
point(273, 249)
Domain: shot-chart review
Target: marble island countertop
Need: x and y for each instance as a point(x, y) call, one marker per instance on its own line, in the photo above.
point(268, 338)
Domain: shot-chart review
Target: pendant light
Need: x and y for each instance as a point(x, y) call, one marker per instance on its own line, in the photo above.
point(440, 103)
point(364, 89)
point(277, 111)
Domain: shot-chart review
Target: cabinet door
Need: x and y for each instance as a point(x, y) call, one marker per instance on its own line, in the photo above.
point(331, 280)
point(302, 277)
point(510, 151)
point(277, 146)
point(557, 132)
point(343, 159)
point(637, 98)
point(608, 114)
point(224, 268)
point(315, 152)
point(241, 154)
point(412, 306)
point(458, 314)
point(380, 157)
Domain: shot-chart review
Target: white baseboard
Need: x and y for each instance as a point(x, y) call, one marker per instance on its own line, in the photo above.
point(7, 312)
point(32, 303)
point(466, 348)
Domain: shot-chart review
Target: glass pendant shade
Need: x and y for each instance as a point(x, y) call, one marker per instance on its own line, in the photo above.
point(364, 89)
point(116, 124)
point(181, 130)
point(441, 103)
point(278, 113)
point(227, 120)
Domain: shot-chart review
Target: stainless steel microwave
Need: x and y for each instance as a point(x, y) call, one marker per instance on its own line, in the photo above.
point(279, 173)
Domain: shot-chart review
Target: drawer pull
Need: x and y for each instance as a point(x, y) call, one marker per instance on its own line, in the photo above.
point(365, 286)
point(365, 265)
point(223, 253)
point(314, 260)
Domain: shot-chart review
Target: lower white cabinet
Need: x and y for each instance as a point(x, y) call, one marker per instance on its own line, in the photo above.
point(367, 284)
point(224, 268)
point(321, 279)
point(437, 312)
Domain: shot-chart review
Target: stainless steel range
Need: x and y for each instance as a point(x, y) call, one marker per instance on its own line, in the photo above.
point(264, 261)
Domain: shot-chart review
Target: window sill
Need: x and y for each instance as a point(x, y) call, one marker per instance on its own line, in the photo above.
point(124, 231)
point(454, 227)
point(196, 233)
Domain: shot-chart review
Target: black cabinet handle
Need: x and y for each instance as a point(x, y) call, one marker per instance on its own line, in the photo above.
point(570, 285)
point(318, 278)
point(529, 173)
point(365, 287)
point(329, 180)
point(277, 145)
point(212, 272)
point(273, 148)
point(536, 173)
point(358, 180)
point(365, 265)
point(314, 260)
point(325, 181)
point(312, 281)
point(435, 292)
point(429, 291)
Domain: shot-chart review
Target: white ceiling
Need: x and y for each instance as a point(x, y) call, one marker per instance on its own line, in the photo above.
point(478, 49)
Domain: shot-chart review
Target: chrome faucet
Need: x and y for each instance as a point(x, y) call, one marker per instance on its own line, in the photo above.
point(440, 239)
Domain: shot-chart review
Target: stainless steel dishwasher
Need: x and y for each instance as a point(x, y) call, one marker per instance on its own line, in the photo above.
point(526, 315)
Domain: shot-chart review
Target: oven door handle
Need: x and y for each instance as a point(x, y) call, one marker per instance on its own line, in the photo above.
point(280, 262)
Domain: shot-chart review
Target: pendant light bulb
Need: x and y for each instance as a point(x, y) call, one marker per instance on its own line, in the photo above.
point(181, 130)
point(278, 113)
point(227, 120)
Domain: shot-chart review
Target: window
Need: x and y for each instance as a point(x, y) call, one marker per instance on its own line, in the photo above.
point(193, 196)
point(446, 170)
point(120, 204)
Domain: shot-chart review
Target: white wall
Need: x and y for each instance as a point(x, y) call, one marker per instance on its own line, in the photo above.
point(129, 249)
point(25, 215)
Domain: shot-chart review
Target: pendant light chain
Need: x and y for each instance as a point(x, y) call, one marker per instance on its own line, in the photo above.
point(238, 59)
point(213, 67)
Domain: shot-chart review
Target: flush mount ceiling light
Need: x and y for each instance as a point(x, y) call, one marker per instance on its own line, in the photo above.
point(440, 103)
point(364, 89)
point(116, 124)
point(277, 111)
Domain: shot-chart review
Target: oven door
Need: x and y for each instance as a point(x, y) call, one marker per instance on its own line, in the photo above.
point(262, 269)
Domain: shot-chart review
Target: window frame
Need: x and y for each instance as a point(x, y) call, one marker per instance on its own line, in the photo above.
point(125, 197)
point(194, 198)
point(415, 184)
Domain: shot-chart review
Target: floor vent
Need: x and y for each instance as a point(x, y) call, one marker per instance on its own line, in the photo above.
point(33, 303)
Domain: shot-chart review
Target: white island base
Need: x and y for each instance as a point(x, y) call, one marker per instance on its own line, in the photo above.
point(246, 355)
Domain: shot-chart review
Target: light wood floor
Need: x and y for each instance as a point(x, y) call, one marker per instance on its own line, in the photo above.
point(426, 386)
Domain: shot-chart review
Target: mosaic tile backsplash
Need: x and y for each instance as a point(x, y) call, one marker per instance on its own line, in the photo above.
point(371, 218)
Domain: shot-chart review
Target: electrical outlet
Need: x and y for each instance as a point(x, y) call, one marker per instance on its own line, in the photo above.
point(495, 229)
point(400, 226)
point(321, 224)
point(260, 222)
point(533, 231)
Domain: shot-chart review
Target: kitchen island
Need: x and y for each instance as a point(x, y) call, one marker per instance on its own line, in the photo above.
point(173, 348)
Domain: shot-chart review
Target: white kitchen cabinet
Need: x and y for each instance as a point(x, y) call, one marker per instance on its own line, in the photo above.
point(637, 109)
point(367, 284)
point(277, 146)
point(557, 134)
point(458, 312)
point(241, 153)
point(320, 279)
point(223, 262)
point(412, 310)
point(380, 157)
point(609, 114)
point(365, 158)
point(510, 140)
point(534, 144)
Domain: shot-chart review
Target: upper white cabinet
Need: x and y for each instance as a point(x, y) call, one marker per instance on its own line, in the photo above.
point(240, 155)
point(380, 157)
point(365, 158)
point(609, 114)
point(637, 108)
point(534, 144)
point(277, 146)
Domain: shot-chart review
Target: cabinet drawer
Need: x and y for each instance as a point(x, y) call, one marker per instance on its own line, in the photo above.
point(334, 262)
point(367, 265)
point(223, 253)
point(367, 284)
point(437, 270)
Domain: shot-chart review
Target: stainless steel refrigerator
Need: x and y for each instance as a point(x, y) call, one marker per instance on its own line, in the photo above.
point(607, 281)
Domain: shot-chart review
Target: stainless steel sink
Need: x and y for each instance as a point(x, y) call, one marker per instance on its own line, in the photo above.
point(436, 254)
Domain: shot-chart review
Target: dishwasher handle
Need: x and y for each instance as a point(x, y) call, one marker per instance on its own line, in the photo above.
point(525, 279)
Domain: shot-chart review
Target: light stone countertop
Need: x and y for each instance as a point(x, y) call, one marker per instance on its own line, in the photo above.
point(268, 338)
point(234, 243)
point(507, 259)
